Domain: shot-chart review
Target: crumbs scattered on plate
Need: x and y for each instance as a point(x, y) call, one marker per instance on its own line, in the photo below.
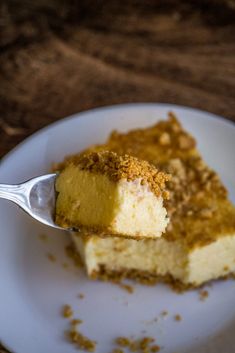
point(141, 345)
point(74, 335)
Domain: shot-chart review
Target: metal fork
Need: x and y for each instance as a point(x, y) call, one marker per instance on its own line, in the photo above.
point(36, 197)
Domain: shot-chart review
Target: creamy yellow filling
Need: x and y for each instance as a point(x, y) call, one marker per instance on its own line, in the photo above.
point(85, 198)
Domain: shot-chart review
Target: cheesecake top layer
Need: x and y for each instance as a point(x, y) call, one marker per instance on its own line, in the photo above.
point(199, 209)
point(117, 167)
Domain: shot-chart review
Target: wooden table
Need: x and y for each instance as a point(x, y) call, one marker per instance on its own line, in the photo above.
point(58, 58)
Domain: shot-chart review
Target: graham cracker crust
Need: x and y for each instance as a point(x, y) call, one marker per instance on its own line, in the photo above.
point(150, 279)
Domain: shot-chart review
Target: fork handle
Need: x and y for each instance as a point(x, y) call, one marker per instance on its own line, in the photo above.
point(14, 193)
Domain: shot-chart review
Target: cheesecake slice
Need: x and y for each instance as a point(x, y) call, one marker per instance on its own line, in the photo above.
point(199, 242)
point(108, 194)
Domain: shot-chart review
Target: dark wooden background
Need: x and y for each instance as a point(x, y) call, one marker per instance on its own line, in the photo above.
point(58, 57)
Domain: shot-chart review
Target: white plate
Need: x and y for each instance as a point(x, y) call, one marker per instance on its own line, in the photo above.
point(33, 289)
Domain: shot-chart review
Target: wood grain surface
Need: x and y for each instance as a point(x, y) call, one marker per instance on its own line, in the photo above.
point(60, 57)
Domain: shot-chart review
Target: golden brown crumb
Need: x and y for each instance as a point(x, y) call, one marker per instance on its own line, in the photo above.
point(206, 213)
point(115, 279)
point(86, 343)
point(82, 341)
point(51, 257)
point(81, 296)
point(126, 167)
point(123, 341)
point(134, 346)
point(174, 123)
point(76, 336)
point(142, 345)
point(166, 195)
point(43, 237)
point(177, 317)
point(226, 268)
point(67, 311)
point(203, 295)
point(73, 335)
point(186, 142)
point(126, 287)
point(76, 322)
point(145, 342)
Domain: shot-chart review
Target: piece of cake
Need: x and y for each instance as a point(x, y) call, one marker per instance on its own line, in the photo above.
point(108, 194)
point(199, 243)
